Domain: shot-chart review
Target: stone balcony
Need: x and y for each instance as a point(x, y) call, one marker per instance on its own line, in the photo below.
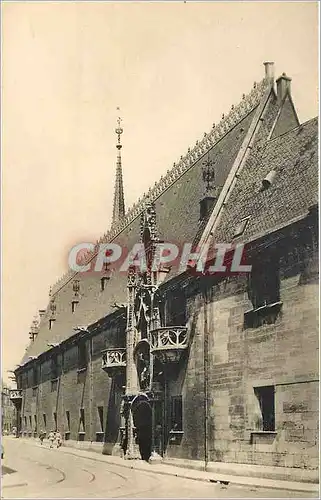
point(114, 361)
point(15, 395)
point(168, 343)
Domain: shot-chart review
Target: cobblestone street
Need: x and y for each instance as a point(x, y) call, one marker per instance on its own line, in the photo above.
point(42, 472)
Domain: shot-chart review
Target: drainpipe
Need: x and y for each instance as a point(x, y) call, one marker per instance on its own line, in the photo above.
point(91, 390)
point(205, 298)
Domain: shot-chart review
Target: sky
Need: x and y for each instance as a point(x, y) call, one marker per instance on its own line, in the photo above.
point(173, 68)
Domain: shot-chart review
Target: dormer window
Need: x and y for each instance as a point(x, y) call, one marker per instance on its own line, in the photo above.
point(103, 282)
point(241, 226)
point(76, 287)
point(74, 304)
point(53, 306)
point(51, 323)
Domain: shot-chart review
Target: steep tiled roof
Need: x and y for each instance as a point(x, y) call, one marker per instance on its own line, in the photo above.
point(294, 158)
point(177, 209)
point(237, 113)
point(287, 118)
point(292, 154)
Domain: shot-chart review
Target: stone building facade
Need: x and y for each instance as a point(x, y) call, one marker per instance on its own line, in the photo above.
point(8, 420)
point(184, 365)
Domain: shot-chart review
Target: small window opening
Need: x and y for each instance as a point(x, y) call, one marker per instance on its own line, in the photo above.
point(264, 282)
point(44, 416)
point(34, 376)
point(101, 417)
point(55, 421)
point(54, 367)
point(82, 424)
point(176, 413)
point(176, 309)
point(82, 355)
point(54, 385)
point(265, 396)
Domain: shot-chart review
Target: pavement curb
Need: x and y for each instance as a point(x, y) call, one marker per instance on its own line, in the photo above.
point(13, 485)
point(230, 469)
point(284, 485)
point(193, 474)
point(13, 480)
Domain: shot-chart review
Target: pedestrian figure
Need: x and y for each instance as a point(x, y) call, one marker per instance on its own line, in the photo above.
point(58, 439)
point(42, 436)
point(51, 438)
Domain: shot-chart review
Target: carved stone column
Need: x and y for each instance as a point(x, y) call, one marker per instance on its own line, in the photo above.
point(132, 451)
point(154, 324)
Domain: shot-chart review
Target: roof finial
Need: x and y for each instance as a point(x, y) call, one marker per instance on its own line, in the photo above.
point(118, 130)
point(208, 173)
point(119, 202)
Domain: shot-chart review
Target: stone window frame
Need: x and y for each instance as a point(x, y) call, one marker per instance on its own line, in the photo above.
point(264, 290)
point(264, 394)
point(100, 410)
point(176, 414)
point(82, 425)
point(82, 356)
point(100, 434)
point(176, 298)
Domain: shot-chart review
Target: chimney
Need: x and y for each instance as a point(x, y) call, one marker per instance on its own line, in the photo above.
point(268, 180)
point(283, 87)
point(269, 70)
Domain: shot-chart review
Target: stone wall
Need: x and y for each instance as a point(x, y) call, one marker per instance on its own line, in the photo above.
point(283, 354)
point(75, 390)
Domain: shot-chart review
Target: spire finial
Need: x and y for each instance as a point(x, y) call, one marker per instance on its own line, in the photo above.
point(118, 130)
point(119, 202)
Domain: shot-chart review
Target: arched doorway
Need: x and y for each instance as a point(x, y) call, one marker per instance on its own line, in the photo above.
point(142, 416)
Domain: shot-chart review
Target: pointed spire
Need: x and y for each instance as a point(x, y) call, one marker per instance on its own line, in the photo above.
point(119, 202)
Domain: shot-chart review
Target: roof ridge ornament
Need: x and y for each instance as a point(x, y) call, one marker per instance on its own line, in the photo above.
point(208, 173)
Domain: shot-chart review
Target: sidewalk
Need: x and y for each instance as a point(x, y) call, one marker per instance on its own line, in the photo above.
point(166, 468)
point(13, 480)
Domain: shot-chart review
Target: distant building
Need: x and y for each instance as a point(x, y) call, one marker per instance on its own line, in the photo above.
point(190, 366)
point(7, 411)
